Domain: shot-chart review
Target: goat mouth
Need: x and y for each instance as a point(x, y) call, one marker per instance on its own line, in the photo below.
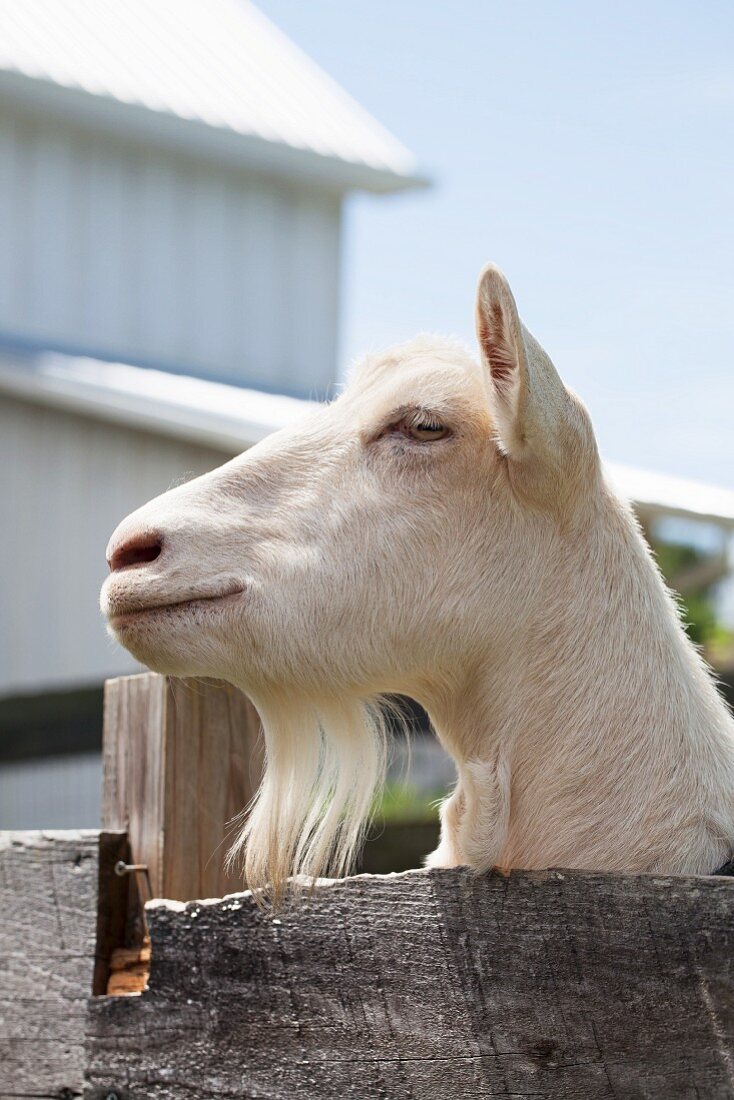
point(127, 616)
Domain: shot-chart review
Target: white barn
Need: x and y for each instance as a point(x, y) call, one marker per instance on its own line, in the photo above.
point(171, 181)
point(172, 175)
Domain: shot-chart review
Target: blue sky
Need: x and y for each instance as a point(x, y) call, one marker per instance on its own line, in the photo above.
point(588, 148)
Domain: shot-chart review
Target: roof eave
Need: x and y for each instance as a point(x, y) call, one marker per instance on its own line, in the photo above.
point(657, 495)
point(165, 130)
point(228, 435)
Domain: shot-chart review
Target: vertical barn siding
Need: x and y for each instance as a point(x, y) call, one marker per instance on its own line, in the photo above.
point(67, 481)
point(115, 250)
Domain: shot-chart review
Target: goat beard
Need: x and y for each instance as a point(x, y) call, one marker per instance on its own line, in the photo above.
point(324, 764)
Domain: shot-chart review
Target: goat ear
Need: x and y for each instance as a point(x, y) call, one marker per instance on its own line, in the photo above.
point(541, 428)
point(501, 343)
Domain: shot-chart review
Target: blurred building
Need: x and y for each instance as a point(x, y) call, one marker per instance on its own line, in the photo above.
point(172, 177)
point(171, 181)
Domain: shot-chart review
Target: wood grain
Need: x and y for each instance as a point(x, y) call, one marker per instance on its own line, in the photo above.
point(434, 986)
point(181, 759)
point(48, 925)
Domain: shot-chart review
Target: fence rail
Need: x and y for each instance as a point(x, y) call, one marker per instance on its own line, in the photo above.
point(437, 985)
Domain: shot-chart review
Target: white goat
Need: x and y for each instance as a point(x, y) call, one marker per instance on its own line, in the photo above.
point(443, 529)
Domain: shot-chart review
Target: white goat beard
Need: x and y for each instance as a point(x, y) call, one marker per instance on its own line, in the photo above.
point(324, 763)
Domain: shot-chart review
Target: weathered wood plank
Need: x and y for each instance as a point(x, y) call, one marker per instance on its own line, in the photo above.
point(48, 927)
point(430, 986)
point(181, 759)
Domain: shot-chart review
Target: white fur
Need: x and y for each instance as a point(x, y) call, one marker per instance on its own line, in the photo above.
point(493, 575)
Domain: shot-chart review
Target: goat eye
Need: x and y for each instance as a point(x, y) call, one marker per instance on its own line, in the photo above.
point(426, 431)
point(420, 426)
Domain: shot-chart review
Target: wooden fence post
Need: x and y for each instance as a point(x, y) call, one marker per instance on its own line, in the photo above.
point(180, 759)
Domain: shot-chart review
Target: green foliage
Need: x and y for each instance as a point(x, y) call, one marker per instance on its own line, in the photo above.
point(698, 609)
point(401, 802)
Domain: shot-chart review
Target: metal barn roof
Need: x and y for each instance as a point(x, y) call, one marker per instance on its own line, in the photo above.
point(214, 76)
point(231, 419)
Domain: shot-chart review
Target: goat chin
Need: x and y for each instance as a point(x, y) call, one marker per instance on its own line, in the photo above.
point(324, 764)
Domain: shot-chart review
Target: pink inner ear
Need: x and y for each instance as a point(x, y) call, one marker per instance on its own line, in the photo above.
point(497, 347)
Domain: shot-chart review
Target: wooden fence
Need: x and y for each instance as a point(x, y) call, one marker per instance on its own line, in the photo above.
point(434, 985)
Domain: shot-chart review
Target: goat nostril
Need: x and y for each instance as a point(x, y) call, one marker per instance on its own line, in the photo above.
point(139, 550)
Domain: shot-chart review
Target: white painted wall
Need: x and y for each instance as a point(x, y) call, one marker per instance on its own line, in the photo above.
point(143, 255)
point(65, 483)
